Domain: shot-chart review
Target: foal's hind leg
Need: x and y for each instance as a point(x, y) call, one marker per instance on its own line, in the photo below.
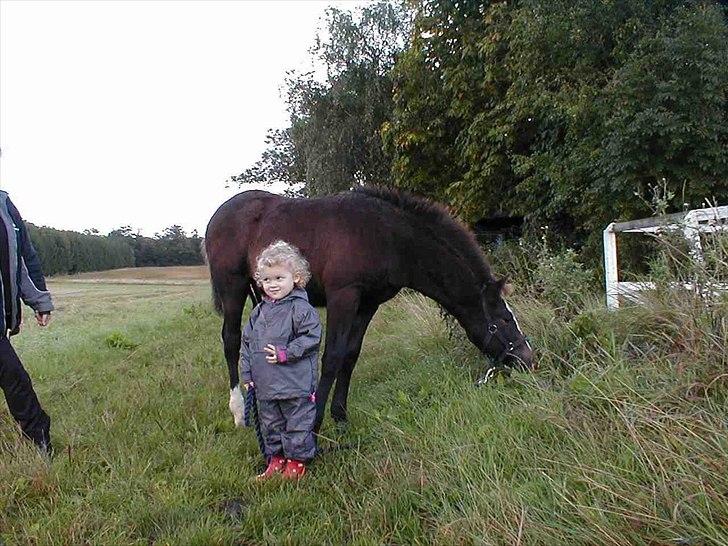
point(233, 290)
point(343, 378)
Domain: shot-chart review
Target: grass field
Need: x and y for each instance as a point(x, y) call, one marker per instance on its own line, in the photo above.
point(619, 439)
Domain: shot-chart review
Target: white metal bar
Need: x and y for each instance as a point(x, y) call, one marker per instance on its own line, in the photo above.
point(691, 231)
point(710, 214)
point(611, 272)
point(713, 229)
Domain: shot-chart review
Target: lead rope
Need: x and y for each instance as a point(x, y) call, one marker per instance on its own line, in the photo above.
point(251, 414)
point(253, 295)
point(251, 403)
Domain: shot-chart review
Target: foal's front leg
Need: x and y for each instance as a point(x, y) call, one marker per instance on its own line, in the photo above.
point(353, 348)
point(341, 310)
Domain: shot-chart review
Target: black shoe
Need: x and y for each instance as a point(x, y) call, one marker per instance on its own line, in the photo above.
point(40, 435)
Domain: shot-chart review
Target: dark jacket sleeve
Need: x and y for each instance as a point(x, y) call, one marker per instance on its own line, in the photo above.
point(245, 376)
point(307, 332)
point(32, 283)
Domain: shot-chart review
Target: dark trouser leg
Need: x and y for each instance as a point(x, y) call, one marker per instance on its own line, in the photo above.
point(22, 400)
point(272, 425)
point(298, 440)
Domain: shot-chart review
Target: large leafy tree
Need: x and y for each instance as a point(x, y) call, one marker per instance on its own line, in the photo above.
point(334, 139)
point(569, 112)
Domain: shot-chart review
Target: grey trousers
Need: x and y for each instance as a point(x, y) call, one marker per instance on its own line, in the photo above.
point(287, 427)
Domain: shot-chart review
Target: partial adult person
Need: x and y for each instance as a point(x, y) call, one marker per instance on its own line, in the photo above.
point(21, 277)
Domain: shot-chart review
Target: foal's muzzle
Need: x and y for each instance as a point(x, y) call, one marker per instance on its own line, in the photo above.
point(520, 358)
point(512, 356)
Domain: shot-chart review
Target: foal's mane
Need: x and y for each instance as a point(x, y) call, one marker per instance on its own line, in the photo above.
point(454, 231)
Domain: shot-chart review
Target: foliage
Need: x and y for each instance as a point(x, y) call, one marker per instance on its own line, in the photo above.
point(562, 111)
point(570, 114)
point(334, 141)
point(171, 247)
point(563, 281)
point(117, 340)
point(426, 127)
point(68, 252)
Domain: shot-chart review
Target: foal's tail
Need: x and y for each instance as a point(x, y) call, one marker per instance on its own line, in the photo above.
point(216, 301)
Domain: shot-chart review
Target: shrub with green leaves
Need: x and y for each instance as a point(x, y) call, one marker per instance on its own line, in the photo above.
point(563, 281)
point(117, 340)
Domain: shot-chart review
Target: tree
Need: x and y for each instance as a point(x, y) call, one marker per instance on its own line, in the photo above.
point(68, 252)
point(561, 111)
point(334, 139)
point(178, 249)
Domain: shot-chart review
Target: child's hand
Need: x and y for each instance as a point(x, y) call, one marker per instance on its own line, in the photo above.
point(272, 356)
point(248, 385)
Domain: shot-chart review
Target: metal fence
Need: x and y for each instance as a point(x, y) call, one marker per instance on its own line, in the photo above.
point(691, 223)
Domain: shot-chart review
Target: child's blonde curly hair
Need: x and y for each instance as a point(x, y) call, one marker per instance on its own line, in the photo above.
point(285, 254)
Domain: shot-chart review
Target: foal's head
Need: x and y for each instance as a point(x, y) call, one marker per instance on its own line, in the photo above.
point(499, 335)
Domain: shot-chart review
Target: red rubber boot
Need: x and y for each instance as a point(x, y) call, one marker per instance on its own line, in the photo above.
point(275, 465)
point(294, 470)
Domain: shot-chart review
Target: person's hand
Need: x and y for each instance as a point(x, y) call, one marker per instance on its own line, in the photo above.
point(248, 385)
point(272, 356)
point(43, 318)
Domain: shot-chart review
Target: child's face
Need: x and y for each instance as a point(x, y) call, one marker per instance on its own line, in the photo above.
point(277, 281)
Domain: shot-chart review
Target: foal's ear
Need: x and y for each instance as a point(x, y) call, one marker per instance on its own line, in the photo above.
point(500, 287)
point(504, 288)
point(507, 289)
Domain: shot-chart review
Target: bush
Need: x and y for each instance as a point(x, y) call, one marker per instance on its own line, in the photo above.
point(563, 281)
point(117, 340)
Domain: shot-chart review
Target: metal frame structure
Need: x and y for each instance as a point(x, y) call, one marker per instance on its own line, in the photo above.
point(691, 223)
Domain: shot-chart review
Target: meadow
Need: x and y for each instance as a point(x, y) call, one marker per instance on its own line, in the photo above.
point(620, 438)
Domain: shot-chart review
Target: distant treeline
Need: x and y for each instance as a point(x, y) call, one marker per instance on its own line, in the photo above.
point(68, 252)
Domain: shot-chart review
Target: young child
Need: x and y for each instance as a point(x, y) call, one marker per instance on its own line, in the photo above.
point(278, 355)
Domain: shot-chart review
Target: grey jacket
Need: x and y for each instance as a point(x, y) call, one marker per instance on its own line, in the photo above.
point(26, 276)
point(292, 325)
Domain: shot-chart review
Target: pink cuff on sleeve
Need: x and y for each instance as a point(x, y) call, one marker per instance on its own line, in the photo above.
point(282, 356)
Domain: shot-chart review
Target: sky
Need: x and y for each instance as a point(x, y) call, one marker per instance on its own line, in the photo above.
point(116, 113)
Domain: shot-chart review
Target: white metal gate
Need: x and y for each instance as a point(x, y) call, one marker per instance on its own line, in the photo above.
point(691, 223)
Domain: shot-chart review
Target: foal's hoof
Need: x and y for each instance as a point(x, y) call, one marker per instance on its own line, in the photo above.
point(237, 406)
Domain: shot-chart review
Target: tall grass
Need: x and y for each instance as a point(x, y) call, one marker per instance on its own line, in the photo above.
point(620, 438)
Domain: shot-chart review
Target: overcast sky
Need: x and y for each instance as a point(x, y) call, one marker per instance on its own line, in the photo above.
point(136, 112)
